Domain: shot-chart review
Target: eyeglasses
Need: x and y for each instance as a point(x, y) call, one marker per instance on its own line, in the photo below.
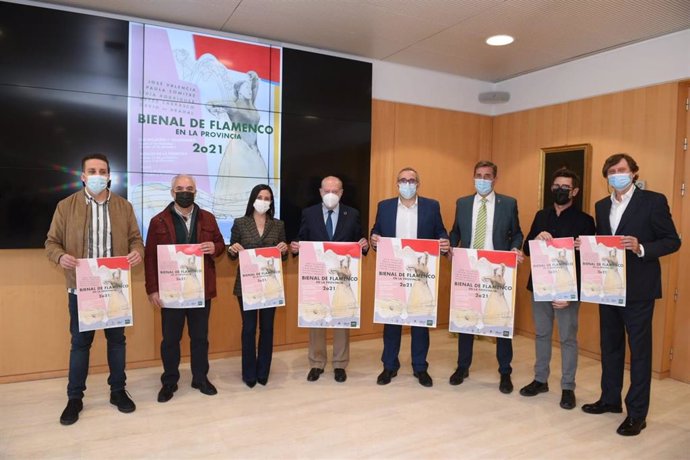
point(407, 181)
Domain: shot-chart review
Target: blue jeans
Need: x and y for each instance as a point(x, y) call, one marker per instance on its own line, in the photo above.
point(79, 355)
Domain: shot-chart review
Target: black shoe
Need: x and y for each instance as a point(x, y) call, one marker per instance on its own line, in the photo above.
point(600, 407)
point(340, 375)
point(205, 387)
point(506, 385)
point(631, 426)
point(262, 380)
point(534, 388)
point(250, 383)
point(314, 374)
point(424, 378)
point(166, 392)
point(459, 376)
point(568, 399)
point(121, 399)
point(71, 413)
point(385, 377)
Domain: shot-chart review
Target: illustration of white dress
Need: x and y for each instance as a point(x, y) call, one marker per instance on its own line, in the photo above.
point(118, 306)
point(191, 286)
point(613, 284)
point(421, 300)
point(344, 301)
point(564, 281)
point(272, 287)
point(242, 164)
point(496, 310)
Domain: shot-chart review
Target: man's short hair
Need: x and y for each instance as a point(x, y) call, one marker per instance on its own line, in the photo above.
point(565, 172)
point(485, 164)
point(408, 168)
point(180, 176)
point(615, 159)
point(95, 156)
point(332, 177)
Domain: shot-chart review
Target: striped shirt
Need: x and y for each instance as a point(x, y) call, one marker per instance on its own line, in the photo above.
point(100, 240)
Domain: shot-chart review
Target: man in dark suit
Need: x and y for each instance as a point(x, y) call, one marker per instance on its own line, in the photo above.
point(486, 220)
point(330, 220)
point(643, 217)
point(407, 216)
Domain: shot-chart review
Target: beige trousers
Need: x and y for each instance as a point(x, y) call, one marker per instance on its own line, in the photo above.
point(317, 348)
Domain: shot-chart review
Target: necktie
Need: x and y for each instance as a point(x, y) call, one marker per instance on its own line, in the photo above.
point(329, 225)
point(480, 228)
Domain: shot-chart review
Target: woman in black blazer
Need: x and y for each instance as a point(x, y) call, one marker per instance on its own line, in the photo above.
point(256, 229)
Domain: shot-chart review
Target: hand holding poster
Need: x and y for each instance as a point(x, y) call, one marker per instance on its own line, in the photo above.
point(261, 272)
point(406, 282)
point(602, 259)
point(482, 294)
point(181, 275)
point(329, 288)
point(553, 269)
point(104, 297)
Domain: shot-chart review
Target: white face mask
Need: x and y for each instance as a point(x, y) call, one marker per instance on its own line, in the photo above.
point(330, 200)
point(261, 206)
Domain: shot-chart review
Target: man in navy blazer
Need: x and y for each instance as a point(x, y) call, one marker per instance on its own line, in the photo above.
point(408, 216)
point(501, 233)
point(330, 220)
point(643, 217)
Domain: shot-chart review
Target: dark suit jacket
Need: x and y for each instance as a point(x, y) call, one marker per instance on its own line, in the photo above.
point(429, 220)
point(313, 226)
point(506, 226)
point(647, 218)
point(244, 231)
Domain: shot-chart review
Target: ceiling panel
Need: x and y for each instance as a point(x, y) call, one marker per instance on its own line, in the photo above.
point(441, 35)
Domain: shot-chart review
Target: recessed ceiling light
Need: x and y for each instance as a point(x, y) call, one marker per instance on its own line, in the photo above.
point(500, 40)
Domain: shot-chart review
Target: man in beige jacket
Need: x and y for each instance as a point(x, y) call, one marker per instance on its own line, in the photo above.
point(92, 223)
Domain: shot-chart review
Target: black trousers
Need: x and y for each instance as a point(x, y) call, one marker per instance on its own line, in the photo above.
point(635, 319)
point(256, 365)
point(197, 326)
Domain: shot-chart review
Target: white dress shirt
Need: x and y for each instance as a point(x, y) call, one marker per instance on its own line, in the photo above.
point(406, 220)
point(490, 208)
point(617, 210)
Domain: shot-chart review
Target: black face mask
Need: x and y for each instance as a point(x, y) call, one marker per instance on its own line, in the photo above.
point(184, 199)
point(560, 196)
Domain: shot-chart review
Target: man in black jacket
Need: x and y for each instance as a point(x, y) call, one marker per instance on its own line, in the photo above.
point(560, 220)
point(643, 217)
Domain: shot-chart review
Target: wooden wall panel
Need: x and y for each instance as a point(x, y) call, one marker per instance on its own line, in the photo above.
point(641, 122)
point(443, 145)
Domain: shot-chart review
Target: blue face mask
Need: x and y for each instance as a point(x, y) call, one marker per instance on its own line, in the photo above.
point(96, 184)
point(407, 191)
point(619, 181)
point(483, 186)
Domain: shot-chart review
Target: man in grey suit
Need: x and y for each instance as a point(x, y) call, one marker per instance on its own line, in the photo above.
point(486, 220)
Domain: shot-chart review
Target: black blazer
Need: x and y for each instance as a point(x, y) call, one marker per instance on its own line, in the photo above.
point(647, 218)
point(244, 231)
point(313, 226)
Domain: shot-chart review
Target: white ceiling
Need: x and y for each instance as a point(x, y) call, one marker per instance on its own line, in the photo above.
point(442, 35)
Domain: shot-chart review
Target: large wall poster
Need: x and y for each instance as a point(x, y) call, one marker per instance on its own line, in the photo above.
point(206, 106)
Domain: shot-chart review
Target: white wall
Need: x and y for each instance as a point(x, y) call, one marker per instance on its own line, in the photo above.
point(647, 63)
point(412, 85)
